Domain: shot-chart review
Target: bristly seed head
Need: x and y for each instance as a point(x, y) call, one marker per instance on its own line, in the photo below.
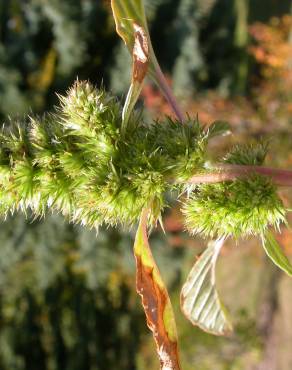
point(76, 160)
point(238, 209)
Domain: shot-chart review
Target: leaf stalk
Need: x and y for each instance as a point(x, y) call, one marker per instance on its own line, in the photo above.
point(171, 99)
point(231, 172)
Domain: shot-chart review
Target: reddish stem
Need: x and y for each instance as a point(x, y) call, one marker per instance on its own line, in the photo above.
point(229, 172)
point(168, 93)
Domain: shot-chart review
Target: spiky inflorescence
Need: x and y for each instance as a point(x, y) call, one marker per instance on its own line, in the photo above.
point(240, 208)
point(76, 160)
point(246, 206)
point(247, 154)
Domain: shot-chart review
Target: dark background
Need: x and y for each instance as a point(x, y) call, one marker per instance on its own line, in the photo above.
point(67, 295)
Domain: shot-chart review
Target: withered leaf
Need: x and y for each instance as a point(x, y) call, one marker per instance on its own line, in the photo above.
point(155, 300)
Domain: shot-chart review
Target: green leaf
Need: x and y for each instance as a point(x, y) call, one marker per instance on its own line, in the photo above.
point(126, 13)
point(199, 298)
point(140, 67)
point(131, 25)
point(274, 251)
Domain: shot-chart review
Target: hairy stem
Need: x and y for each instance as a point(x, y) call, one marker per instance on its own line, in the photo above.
point(230, 172)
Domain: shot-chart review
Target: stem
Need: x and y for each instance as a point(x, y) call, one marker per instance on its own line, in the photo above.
point(230, 172)
point(162, 83)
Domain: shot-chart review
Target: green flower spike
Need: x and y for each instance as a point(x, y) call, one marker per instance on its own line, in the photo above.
point(247, 206)
point(241, 208)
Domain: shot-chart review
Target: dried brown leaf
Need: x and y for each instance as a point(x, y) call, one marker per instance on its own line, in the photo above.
point(155, 300)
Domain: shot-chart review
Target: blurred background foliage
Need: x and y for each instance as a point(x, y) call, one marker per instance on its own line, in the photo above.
point(67, 295)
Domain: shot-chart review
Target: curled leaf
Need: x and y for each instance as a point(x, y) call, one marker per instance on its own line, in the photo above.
point(140, 55)
point(199, 298)
point(126, 13)
point(130, 18)
point(155, 300)
point(131, 25)
point(276, 254)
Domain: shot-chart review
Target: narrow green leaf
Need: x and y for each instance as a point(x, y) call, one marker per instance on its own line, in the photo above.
point(199, 298)
point(129, 17)
point(140, 56)
point(129, 14)
point(126, 13)
point(131, 25)
point(274, 251)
